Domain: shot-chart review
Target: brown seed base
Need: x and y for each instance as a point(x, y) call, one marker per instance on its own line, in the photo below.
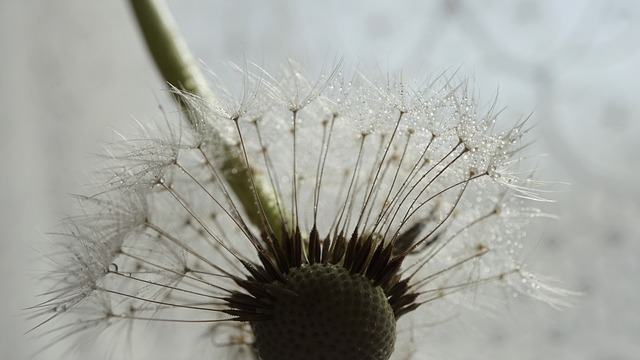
point(323, 312)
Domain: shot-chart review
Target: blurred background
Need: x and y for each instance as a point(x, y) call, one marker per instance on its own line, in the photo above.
point(71, 71)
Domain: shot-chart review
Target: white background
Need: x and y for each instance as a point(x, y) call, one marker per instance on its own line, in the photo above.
point(71, 70)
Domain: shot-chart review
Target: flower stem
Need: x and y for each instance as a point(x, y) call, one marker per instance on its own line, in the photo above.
point(178, 68)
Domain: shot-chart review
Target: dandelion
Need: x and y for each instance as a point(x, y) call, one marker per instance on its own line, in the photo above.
point(304, 219)
point(389, 198)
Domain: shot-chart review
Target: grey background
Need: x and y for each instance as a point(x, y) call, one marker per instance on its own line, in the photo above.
point(71, 70)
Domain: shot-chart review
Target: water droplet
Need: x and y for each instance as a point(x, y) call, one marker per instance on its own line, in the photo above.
point(60, 308)
point(113, 268)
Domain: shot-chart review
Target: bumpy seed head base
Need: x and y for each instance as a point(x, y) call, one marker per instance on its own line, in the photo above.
point(323, 312)
point(317, 300)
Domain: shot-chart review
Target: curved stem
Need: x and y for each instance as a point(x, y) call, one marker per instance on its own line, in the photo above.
point(178, 68)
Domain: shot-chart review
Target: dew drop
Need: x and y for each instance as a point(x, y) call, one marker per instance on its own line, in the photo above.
point(113, 268)
point(60, 308)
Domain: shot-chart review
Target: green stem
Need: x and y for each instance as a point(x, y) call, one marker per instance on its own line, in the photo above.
point(178, 68)
point(168, 49)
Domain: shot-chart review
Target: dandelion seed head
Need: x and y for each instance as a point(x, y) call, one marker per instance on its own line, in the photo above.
point(302, 219)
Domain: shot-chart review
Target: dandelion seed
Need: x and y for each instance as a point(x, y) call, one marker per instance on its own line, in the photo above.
point(385, 198)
